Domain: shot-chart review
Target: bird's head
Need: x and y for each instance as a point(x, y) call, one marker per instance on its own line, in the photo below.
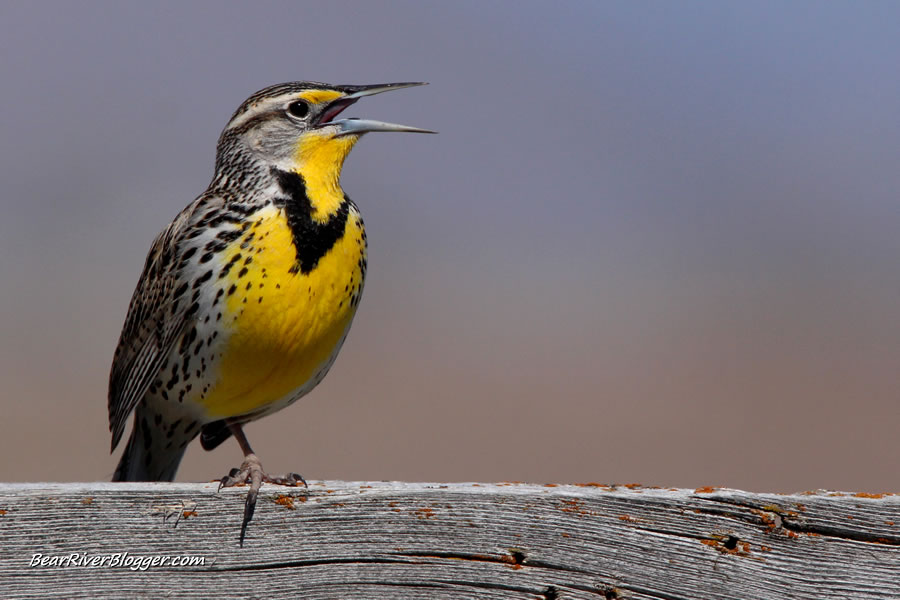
point(294, 126)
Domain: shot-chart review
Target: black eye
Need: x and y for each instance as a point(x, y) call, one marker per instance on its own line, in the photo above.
point(298, 109)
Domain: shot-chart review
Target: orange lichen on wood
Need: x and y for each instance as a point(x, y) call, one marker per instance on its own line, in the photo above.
point(767, 519)
point(865, 495)
point(576, 506)
point(285, 501)
point(511, 561)
point(728, 545)
point(705, 490)
point(189, 513)
point(424, 513)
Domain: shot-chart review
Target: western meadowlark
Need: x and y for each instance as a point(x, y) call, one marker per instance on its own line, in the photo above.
point(247, 296)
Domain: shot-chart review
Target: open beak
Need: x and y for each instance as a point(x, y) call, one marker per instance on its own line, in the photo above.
point(360, 126)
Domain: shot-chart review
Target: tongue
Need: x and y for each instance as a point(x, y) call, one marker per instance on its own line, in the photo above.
point(334, 110)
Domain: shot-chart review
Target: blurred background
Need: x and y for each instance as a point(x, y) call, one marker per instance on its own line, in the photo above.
point(653, 242)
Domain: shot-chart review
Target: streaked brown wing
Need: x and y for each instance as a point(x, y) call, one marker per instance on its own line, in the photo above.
point(154, 322)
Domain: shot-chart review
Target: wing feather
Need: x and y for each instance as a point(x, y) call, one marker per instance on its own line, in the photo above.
point(155, 321)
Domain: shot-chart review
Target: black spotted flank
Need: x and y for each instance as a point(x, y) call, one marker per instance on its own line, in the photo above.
point(312, 240)
point(203, 279)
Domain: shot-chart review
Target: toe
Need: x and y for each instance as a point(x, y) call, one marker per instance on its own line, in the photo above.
point(234, 477)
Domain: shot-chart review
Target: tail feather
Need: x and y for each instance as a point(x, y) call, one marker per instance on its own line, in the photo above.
point(151, 454)
point(213, 434)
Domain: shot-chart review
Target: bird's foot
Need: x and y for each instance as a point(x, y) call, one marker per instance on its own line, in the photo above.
point(251, 472)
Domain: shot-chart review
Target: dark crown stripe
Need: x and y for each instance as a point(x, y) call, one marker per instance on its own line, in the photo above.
point(312, 240)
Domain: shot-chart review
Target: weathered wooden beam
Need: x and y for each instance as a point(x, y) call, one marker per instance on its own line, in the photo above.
point(404, 540)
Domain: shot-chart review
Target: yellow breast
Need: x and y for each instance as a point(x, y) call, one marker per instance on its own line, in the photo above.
point(283, 324)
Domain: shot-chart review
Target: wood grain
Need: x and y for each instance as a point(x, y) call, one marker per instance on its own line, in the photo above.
point(461, 540)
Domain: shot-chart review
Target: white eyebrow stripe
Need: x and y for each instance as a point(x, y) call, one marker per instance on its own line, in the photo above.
point(262, 105)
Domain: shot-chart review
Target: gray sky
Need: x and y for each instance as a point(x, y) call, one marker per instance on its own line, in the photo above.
point(653, 242)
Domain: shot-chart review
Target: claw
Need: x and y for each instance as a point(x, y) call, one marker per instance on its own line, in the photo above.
point(297, 478)
point(291, 480)
point(249, 508)
point(251, 472)
point(234, 477)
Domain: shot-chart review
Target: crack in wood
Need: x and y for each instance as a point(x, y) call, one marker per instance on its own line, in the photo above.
point(680, 534)
point(513, 560)
point(488, 585)
point(509, 560)
point(782, 520)
point(291, 564)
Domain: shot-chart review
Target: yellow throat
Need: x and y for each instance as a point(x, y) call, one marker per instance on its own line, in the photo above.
point(319, 159)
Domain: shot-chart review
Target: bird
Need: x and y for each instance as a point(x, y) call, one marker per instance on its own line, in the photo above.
point(246, 297)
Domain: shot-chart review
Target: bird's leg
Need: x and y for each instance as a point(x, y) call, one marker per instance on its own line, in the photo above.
point(251, 472)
